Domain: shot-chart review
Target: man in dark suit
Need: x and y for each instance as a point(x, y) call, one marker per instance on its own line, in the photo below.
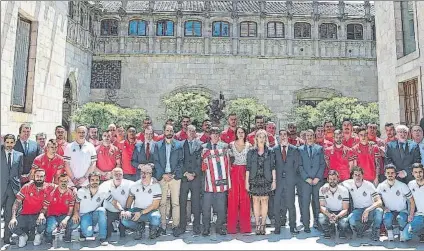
point(287, 162)
point(169, 157)
point(402, 153)
point(29, 148)
point(192, 180)
point(312, 172)
point(11, 170)
point(144, 150)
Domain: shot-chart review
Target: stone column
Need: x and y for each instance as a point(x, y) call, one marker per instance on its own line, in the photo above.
point(290, 36)
point(123, 33)
point(206, 34)
point(179, 31)
point(151, 34)
point(235, 33)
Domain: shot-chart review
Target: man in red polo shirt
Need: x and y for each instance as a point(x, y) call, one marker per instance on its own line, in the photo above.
point(93, 136)
point(32, 216)
point(349, 139)
point(339, 157)
point(293, 138)
point(113, 134)
point(60, 139)
point(205, 136)
point(260, 124)
point(367, 156)
point(59, 205)
point(182, 134)
point(146, 123)
point(108, 157)
point(372, 138)
point(329, 130)
point(320, 137)
point(229, 135)
point(127, 147)
point(50, 161)
point(120, 133)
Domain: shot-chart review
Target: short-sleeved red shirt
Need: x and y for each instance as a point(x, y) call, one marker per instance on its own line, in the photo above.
point(296, 142)
point(204, 137)
point(366, 156)
point(324, 143)
point(127, 150)
point(57, 203)
point(338, 160)
point(140, 137)
point(107, 157)
point(251, 139)
point(32, 198)
point(352, 141)
point(53, 167)
point(61, 146)
point(181, 135)
point(228, 135)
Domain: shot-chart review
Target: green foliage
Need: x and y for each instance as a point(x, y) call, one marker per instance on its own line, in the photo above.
point(102, 114)
point(335, 110)
point(186, 104)
point(246, 110)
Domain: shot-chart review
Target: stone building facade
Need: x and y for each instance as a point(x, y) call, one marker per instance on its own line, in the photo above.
point(400, 61)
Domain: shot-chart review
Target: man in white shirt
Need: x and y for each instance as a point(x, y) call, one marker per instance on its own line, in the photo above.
point(367, 204)
point(144, 197)
point(417, 188)
point(394, 194)
point(334, 206)
point(119, 189)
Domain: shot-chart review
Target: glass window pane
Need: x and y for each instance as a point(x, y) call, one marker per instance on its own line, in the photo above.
point(159, 30)
point(271, 29)
point(169, 28)
point(252, 29)
point(189, 28)
point(408, 31)
point(225, 30)
point(133, 28)
point(279, 30)
point(216, 29)
point(244, 29)
point(197, 29)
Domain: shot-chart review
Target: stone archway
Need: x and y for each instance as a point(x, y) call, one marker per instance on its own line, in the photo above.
point(70, 101)
point(312, 96)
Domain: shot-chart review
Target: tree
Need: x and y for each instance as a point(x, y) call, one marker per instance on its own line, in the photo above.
point(246, 110)
point(102, 114)
point(186, 104)
point(335, 110)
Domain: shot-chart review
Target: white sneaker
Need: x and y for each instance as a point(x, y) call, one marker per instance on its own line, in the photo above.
point(22, 240)
point(402, 236)
point(390, 235)
point(268, 221)
point(37, 239)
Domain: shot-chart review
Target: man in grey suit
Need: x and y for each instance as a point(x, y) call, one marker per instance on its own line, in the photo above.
point(143, 152)
point(312, 172)
point(11, 171)
point(169, 157)
point(287, 162)
point(402, 153)
point(192, 180)
point(29, 148)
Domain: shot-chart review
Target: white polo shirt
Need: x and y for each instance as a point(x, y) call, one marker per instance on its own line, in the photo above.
point(80, 158)
point(145, 195)
point(90, 203)
point(334, 201)
point(119, 193)
point(362, 196)
point(418, 193)
point(394, 197)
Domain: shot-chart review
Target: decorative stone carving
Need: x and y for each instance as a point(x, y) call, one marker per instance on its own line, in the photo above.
point(368, 17)
point(234, 15)
point(289, 6)
point(122, 12)
point(215, 109)
point(106, 74)
point(342, 15)
point(179, 13)
point(263, 14)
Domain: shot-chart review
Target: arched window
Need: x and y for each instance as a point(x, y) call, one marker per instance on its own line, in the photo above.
point(165, 28)
point(193, 29)
point(275, 29)
point(302, 30)
point(248, 29)
point(137, 28)
point(328, 31)
point(109, 27)
point(355, 32)
point(220, 29)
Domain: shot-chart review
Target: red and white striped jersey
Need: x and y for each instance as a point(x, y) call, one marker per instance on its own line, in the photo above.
point(216, 165)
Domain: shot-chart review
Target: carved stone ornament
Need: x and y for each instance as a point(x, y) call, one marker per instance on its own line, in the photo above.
point(234, 15)
point(263, 14)
point(215, 109)
point(122, 12)
point(315, 16)
point(179, 13)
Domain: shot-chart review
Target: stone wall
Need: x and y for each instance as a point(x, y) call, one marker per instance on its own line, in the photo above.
point(276, 82)
point(48, 75)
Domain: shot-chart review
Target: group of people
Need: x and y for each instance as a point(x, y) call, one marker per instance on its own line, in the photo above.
point(353, 181)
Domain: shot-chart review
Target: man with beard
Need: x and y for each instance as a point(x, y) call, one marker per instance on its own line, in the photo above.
point(367, 204)
point(143, 152)
point(60, 139)
point(143, 204)
point(127, 150)
point(108, 157)
point(329, 130)
point(205, 136)
point(373, 139)
point(119, 189)
point(260, 124)
point(93, 135)
point(229, 135)
point(50, 161)
point(11, 170)
point(169, 157)
point(334, 206)
point(390, 132)
point(394, 194)
point(293, 138)
point(32, 216)
point(417, 137)
point(59, 205)
point(349, 139)
point(417, 188)
point(162, 136)
point(402, 153)
point(147, 123)
point(339, 157)
point(182, 135)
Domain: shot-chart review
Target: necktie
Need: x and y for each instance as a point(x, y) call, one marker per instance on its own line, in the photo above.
point(190, 143)
point(26, 147)
point(9, 160)
point(284, 153)
point(402, 149)
point(214, 147)
point(310, 151)
point(147, 150)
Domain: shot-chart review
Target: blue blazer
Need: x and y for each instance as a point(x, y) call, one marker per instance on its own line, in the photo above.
point(314, 166)
point(176, 159)
point(33, 151)
point(412, 155)
point(139, 154)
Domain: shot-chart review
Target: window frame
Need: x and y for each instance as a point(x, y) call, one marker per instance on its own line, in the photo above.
point(109, 29)
point(275, 29)
point(146, 29)
point(410, 93)
point(302, 37)
point(193, 22)
point(248, 28)
point(327, 33)
point(221, 25)
point(164, 22)
point(354, 33)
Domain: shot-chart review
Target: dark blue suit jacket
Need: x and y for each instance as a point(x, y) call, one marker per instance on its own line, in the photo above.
point(412, 155)
point(312, 167)
point(33, 151)
point(176, 159)
point(10, 177)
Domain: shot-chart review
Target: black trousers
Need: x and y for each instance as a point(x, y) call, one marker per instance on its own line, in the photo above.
point(111, 217)
point(27, 223)
point(194, 187)
point(6, 205)
point(219, 203)
point(284, 201)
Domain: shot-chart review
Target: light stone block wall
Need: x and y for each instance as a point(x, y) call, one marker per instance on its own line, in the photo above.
point(50, 66)
point(391, 69)
point(276, 82)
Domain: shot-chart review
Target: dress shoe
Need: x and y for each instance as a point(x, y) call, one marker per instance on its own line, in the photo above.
point(277, 230)
point(206, 232)
point(196, 231)
point(307, 230)
point(9, 242)
point(221, 231)
point(161, 231)
point(293, 230)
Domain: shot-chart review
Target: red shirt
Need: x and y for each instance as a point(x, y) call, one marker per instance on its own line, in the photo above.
point(140, 137)
point(160, 137)
point(296, 142)
point(95, 142)
point(338, 159)
point(350, 142)
point(228, 135)
point(53, 167)
point(204, 138)
point(330, 137)
point(365, 156)
point(32, 198)
point(324, 143)
point(181, 135)
point(107, 157)
point(380, 143)
point(127, 150)
point(60, 148)
point(57, 203)
point(251, 139)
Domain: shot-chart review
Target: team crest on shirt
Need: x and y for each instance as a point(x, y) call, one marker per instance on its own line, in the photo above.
point(384, 190)
point(98, 199)
point(85, 197)
point(351, 189)
point(150, 190)
point(364, 194)
point(123, 192)
point(326, 196)
point(54, 199)
point(413, 189)
point(31, 194)
point(138, 190)
point(74, 150)
point(340, 197)
point(100, 152)
point(397, 193)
